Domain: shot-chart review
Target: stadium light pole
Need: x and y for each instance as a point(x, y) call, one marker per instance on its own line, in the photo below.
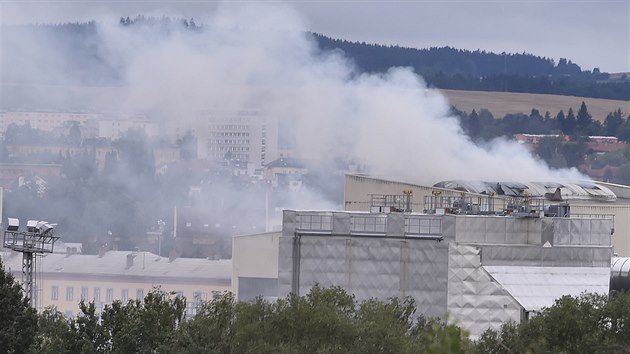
point(38, 238)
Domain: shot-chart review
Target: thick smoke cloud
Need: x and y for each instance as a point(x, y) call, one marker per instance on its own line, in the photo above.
point(261, 57)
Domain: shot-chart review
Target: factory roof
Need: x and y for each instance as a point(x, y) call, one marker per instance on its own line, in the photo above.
point(583, 190)
point(126, 264)
point(538, 287)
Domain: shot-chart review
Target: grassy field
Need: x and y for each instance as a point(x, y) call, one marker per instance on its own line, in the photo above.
point(502, 103)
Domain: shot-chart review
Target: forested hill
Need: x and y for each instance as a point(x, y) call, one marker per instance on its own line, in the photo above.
point(74, 50)
point(451, 68)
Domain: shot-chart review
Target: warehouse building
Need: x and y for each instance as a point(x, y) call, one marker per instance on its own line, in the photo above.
point(585, 199)
point(483, 269)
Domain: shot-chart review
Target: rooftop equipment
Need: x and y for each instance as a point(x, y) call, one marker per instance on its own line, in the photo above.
point(392, 203)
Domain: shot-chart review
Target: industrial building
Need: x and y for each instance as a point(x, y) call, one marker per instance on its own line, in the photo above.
point(585, 199)
point(482, 270)
point(485, 257)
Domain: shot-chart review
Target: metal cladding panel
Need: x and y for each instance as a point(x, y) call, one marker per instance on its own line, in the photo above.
point(496, 230)
point(476, 229)
point(461, 226)
point(516, 231)
point(395, 224)
point(376, 267)
point(602, 257)
point(475, 302)
point(534, 230)
point(601, 230)
point(580, 231)
point(565, 256)
point(538, 287)
point(288, 222)
point(499, 230)
point(449, 228)
point(321, 260)
point(285, 270)
point(426, 276)
point(547, 231)
point(511, 254)
point(341, 224)
point(561, 231)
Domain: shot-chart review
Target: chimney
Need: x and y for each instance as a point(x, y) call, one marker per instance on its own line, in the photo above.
point(130, 258)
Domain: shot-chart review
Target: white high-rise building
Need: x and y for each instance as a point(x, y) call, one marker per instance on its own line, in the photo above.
point(245, 135)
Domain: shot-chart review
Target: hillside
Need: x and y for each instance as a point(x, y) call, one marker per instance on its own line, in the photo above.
point(457, 69)
point(502, 103)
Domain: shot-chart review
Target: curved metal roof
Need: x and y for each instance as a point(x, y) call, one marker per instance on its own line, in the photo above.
point(585, 190)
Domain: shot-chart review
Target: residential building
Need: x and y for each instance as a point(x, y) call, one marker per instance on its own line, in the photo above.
point(64, 279)
point(114, 126)
point(244, 135)
point(285, 169)
point(12, 173)
point(44, 120)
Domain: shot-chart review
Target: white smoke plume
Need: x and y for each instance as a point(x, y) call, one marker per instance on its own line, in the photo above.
point(261, 57)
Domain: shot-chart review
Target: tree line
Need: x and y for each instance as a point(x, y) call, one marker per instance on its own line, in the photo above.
point(77, 46)
point(326, 320)
point(483, 125)
point(567, 137)
point(479, 70)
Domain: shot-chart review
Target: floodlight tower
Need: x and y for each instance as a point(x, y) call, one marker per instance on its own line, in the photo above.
point(38, 238)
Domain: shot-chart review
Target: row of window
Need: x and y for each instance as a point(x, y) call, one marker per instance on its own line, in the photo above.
point(229, 134)
point(228, 141)
point(96, 294)
point(198, 296)
point(234, 156)
point(228, 148)
point(229, 127)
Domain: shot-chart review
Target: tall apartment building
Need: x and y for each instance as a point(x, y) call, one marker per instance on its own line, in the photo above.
point(238, 135)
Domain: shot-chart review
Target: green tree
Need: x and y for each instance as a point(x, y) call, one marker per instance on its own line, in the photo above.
point(18, 321)
point(140, 326)
point(570, 123)
point(583, 118)
point(613, 123)
point(211, 330)
point(474, 125)
point(550, 149)
point(54, 334)
point(561, 121)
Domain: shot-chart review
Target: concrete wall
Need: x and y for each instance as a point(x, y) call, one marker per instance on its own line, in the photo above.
point(254, 257)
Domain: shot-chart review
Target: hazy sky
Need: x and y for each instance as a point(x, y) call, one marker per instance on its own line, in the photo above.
point(591, 33)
